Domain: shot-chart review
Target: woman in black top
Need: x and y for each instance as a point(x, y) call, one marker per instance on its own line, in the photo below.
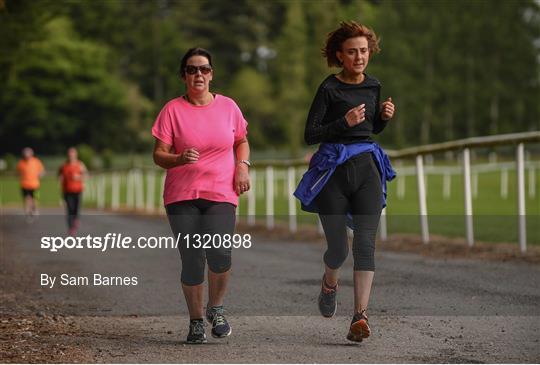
point(346, 111)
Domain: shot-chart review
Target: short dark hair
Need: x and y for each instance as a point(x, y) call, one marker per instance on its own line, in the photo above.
point(195, 51)
point(345, 31)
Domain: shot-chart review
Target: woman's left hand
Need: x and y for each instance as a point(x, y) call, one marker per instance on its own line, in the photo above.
point(387, 109)
point(241, 178)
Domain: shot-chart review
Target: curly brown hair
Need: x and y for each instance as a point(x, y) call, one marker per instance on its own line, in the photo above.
point(347, 30)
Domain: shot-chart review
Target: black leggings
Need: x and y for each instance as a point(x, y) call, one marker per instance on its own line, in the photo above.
point(201, 216)
point(354, 187)
point(72, 205)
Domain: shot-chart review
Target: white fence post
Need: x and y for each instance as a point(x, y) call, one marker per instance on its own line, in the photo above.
point(129, 189)
point(422, 198)
point(532, 182)
point(468, 196)
point(492, 157)
point(447, 185)
point(101, 186)
point(474, 183)
point(115, 191)
point(269, 197)
point(429, 160)
point(139, 190)
point(251, 199)
point(94, 188)
point(520, 167)
point(504, 183)
point(291, 181)
point(401, 178)
point(150, 190)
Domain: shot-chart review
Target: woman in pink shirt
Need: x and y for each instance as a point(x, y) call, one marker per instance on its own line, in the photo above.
point(201, 141)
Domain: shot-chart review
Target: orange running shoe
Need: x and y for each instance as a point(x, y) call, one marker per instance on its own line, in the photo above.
point(359, 327)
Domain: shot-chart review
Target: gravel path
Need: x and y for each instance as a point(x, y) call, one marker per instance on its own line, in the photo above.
point(422, 309)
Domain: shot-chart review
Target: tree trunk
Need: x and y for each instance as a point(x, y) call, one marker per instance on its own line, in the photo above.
point(494, 114)
point(449, 119)
point(471, 129)
point(426, 124)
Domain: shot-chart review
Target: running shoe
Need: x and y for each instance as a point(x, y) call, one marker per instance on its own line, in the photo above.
point(359, 327)
point(196, 332)
point(220, 326)
point(327, 299)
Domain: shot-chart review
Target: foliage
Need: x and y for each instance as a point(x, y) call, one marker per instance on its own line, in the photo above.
point(292, 77)
point(87, 155)
point(60, 91)
point(97, 72)
point(107, 158)
point(11, 161)
point(253, 93)
point(459, 69)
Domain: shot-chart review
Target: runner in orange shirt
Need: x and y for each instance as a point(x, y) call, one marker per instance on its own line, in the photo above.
point(30, 170)
point(72, 174)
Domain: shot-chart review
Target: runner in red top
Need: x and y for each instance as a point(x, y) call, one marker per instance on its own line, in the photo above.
point(72, 174)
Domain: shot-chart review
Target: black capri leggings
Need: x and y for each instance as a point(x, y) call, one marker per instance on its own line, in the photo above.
point(354, 187)
point(73, 201)
point(201, 216)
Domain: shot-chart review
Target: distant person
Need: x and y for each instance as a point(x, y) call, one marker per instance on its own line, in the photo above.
point(72, 174)
point(30, 170)
point(347, 175)
point(201, 141)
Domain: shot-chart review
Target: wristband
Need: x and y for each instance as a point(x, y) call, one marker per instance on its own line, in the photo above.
point(245, 161)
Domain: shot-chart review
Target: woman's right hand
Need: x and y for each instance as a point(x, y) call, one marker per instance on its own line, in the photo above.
point(188, 156)
point(356, 115)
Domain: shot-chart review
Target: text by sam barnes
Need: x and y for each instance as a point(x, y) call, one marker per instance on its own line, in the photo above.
point(50, 281)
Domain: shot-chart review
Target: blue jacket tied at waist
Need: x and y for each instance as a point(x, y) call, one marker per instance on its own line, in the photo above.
point(324, 163)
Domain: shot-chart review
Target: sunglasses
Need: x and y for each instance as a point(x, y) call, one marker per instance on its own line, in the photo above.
point(192, 70)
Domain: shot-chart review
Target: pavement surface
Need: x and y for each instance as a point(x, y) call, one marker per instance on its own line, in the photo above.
point(423, 309)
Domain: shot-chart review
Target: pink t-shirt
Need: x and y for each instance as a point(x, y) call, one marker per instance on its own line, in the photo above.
point(212, 130)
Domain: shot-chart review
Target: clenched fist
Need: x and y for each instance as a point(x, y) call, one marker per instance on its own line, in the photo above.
point(356, 115)
point(387, 109)
point(189, 156)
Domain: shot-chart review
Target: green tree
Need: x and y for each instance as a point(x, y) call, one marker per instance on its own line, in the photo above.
point(322, 17)
point(146, 39)
point(61, 91)
point(291, 66)
point(98, 71)
point(252, 91)
point(458, 69)
point(21, 22)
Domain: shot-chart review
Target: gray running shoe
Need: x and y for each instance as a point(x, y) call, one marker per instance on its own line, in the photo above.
point(220, 326)
point(196, 332)
point(327, 299)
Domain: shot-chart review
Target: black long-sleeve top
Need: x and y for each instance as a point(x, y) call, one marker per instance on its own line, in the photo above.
point(326, 120)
